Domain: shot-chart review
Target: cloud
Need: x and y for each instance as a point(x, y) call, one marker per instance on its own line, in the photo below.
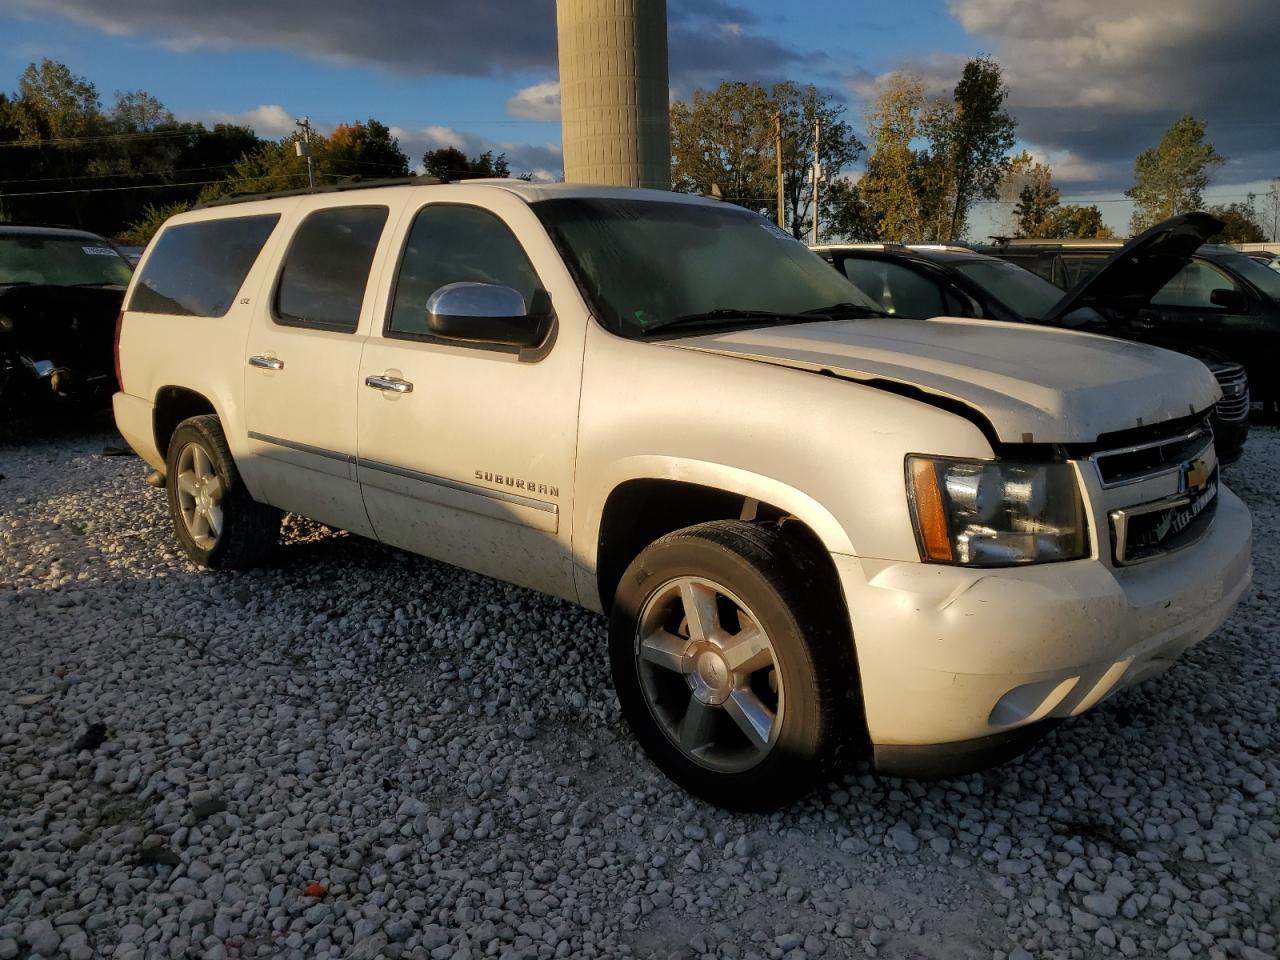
point(538, 102)
point(543, 161)
point(708, 39)
point(1104, 80)
point(269, 121)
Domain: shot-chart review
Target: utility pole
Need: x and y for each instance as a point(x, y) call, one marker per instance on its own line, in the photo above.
point(817, 175)
point(777, 149)
point(303, 149)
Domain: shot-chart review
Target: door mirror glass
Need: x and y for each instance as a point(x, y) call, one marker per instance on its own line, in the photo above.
point(484, 313)
point(1233, 301)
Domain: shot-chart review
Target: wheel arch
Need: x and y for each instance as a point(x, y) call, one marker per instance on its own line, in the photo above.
point(173, 404)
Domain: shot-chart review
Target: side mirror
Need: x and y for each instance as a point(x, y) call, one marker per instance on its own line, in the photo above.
point(1233, 301)
point(485, 313)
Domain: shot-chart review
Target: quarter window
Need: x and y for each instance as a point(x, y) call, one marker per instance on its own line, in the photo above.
point(1193, 287)
point(898, 290)
point(327, 269)
point(196, 269)
point(453, 244)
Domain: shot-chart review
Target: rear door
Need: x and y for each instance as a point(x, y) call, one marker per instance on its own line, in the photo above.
point(1183, 313)
point(466, 450)
point(301, 363)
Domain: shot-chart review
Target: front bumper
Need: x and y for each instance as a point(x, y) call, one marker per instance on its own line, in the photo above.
point(970, 659)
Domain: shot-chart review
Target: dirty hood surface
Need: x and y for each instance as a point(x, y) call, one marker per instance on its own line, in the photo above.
point(1034, 384)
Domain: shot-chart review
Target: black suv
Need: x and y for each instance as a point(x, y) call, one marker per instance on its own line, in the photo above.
point(930, 280)
point(1223, 299)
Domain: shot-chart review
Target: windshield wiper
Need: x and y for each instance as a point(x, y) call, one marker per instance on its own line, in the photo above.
point(95, 283)
point(728, 315)
point(847, 310)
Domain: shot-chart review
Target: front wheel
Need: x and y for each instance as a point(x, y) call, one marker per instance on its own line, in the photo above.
point(219, 525)
point(733, 664)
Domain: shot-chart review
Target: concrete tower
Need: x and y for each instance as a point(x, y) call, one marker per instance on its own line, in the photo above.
point(613, 92)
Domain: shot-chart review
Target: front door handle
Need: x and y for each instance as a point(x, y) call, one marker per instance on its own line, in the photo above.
point(391, 384)
point(266, 363)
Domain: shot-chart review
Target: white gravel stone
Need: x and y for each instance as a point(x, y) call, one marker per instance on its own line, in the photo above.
point(415, 762)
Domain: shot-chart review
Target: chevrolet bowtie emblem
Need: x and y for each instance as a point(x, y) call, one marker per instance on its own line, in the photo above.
point(1197, 473)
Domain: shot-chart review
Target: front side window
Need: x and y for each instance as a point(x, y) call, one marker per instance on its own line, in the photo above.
point(60, 260)
point(1028, 295)
point(327, 268)
point(1268, 281)
point(455, 244)
point(1192, 287)
point(196, 269)
point(898, 290)
point(642, 263)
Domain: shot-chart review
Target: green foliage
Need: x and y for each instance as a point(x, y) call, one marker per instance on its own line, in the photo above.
point(1171, 177)
point(1241, 221)
point(1078, 221)
point(846, 214)
point(450, 163)
point(931, 160)
point(1038, 202)
point(140, 232)
point(726, 140)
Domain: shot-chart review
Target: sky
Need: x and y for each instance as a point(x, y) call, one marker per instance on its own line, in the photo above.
point(1092, 82)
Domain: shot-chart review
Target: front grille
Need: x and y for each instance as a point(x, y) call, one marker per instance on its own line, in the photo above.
point(1139, 462)
point(1234, 405)
point(1160, 495)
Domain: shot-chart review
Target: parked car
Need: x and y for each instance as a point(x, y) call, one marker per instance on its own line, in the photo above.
point(1265, 257)
point(927, 280)
point(132, 254)
point(1222, 300)
point(60, 295)
point(818, 532)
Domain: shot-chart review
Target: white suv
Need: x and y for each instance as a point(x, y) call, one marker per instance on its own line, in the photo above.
point(819, 532)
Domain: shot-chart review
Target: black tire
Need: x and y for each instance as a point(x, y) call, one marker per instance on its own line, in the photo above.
point(250, 532)
point(786, 586)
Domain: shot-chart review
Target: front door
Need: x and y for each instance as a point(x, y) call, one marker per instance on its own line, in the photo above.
point(301, 365)
point(466, 451)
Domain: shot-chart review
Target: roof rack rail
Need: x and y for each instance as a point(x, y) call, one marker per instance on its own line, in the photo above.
point(354, 184)
point(45, 226)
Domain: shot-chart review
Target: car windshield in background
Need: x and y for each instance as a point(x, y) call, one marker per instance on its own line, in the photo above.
point(643, 263)
point(1025, 293)
point(1266, 280)
point(60, 260)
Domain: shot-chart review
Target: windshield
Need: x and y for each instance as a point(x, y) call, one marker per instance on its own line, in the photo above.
point(642, 263)
point(1268, 281)
point(60, 260)
point(1025, 293)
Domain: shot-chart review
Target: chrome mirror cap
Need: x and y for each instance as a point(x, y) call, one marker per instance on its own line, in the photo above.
point(476, 300)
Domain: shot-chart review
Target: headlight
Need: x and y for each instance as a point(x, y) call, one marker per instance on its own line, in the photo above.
point(994, 514)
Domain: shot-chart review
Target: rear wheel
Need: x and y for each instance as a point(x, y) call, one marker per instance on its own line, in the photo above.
point(733, 663)
point(218, 523)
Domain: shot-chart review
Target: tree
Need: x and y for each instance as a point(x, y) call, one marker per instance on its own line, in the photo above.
point(450, 163)
point(845, 213)
point(55, 104)
point(1241, 223)
point(891, 187)
point(970, 139)
point(1271, 210)
point(1171, 177)
point(1077, 221)
point(140, 232)
point(725, 140)
point(1038, 202)
point(366, 150)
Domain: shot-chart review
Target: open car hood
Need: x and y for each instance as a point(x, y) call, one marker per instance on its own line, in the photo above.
point(1033, 384)
point(1139, 270)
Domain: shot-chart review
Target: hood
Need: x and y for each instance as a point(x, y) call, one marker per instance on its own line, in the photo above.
point(1139, 270)
point(1033, 384)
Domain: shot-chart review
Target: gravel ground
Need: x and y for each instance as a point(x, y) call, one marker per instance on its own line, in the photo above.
point(362, 754)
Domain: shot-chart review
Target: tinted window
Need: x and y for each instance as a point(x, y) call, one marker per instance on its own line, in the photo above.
point(327, 269)
point(60, 259)
point(196, 269)
point(896, 289)
point(453, 244)
point(640, 263)
point(1268, 281)
point(1193, 286)
point(1025, 293)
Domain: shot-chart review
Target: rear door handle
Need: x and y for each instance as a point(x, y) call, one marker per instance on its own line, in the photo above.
point(391, 384)
point(266, 363)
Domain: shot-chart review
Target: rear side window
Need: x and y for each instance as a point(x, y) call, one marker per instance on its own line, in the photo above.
point(327, 269)
point(196, 269)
